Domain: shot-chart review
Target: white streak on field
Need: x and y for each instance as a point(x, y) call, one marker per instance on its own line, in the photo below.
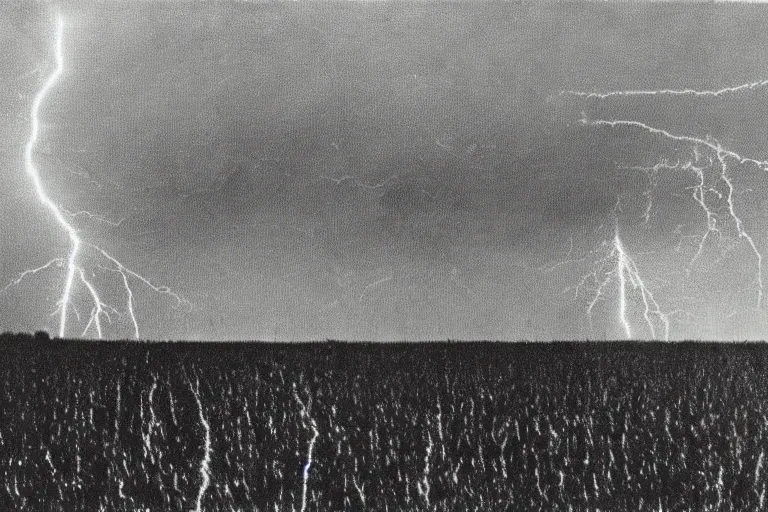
point(50, 460)
point(423, 486)
point(117, 417)
point(360, 489)
point(151, 423)
point(315, 434)
point(758, 469)
point(205, 472)
point(720, 489)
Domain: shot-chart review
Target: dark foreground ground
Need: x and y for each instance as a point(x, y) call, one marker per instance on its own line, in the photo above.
point(336, 426)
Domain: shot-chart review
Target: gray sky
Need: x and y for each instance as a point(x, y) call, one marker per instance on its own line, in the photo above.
point(385, 172)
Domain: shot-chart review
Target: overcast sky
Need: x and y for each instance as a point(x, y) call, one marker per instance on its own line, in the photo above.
point(382, 172)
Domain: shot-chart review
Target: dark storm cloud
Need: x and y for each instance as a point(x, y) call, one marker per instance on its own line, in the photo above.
point(261, 119)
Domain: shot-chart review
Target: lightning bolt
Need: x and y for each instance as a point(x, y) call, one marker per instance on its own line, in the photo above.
point(77, 245)
point(618, 266)
point(668, 92)
point(711, 165)
point(722, 152)
point(721, 158)
point(55, 261)
point(34, 174)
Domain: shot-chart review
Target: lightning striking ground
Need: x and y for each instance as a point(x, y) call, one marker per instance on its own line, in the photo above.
point(77, 244)
point(617, 266)
point(712, 166)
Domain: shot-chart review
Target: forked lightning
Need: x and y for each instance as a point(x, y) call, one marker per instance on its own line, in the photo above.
point(712, 165)
point(79, 248)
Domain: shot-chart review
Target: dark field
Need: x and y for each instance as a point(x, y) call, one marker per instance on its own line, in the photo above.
point(335, 426)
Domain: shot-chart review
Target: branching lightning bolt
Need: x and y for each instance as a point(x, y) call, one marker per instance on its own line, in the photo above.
point(712, 166)
point(722, 152)
point(722, 155)
point(55, 261)
point(617, 265)
point(77, 245)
